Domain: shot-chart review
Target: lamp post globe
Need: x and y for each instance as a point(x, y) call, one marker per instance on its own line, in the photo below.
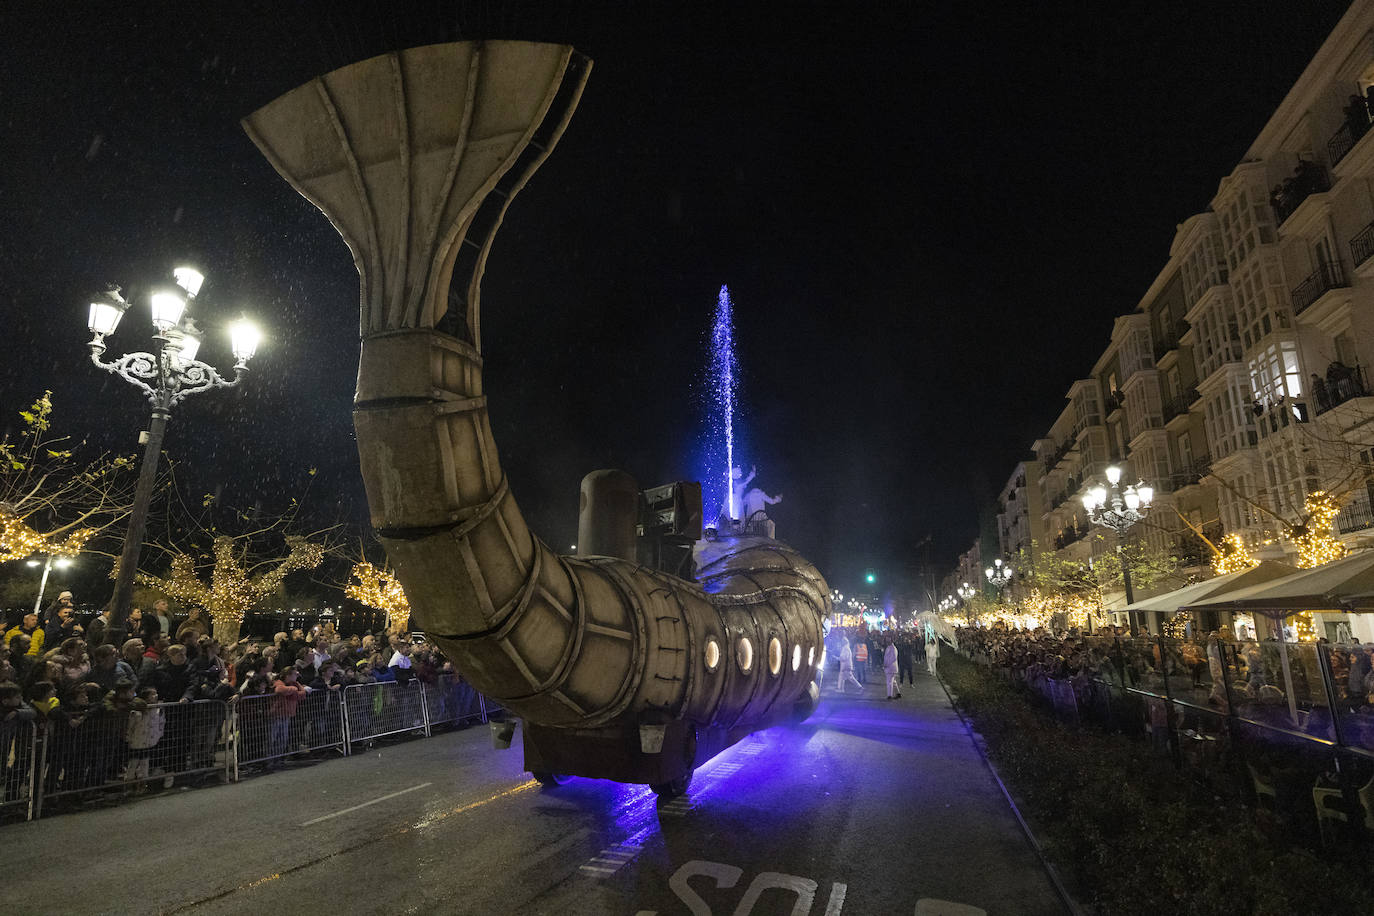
point(166, 377)
point(1120, 508)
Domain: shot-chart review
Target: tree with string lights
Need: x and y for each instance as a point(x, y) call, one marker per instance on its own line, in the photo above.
point(54, 502)
point(381, 590)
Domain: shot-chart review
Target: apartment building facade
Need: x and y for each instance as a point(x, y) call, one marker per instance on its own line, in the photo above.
point(1238, 385)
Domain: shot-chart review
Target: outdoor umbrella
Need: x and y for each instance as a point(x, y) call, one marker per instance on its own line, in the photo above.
point(1341, 585)
point(1184, 597)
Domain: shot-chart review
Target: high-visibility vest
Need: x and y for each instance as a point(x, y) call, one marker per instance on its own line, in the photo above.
point(861, 653)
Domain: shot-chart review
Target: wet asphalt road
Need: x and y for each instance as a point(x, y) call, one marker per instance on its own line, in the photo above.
point(871, 807)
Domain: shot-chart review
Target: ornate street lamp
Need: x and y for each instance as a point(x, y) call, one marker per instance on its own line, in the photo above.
point(966, 592)
point(999, 575)
point(166, 377)
point(1119, 508)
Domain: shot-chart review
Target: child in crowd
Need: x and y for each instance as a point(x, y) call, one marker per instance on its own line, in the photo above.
point(144, 731)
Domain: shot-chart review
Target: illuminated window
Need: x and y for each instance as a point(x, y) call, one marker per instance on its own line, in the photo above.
point(796, 657)
point(811, 656)
point(712, 655)
point(774, 655)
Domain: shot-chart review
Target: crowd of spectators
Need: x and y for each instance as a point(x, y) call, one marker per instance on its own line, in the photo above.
point(129, 712)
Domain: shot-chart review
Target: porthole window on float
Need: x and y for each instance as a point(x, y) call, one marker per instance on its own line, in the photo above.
point(811, 657)
point(712, 655)
point(796, 657)
point(774, 655)
point(744, 654)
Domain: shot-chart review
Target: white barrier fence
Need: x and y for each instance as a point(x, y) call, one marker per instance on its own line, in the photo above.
point(117, 754)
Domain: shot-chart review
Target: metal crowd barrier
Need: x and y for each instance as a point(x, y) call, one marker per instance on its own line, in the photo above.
point(18, 752)
point(123, 750)
point(117, 753)
point(374, 710)
point(454, 700)
point(265, 732)
point(1222, 712)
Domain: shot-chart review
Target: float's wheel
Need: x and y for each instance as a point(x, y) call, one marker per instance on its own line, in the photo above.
point(551, 780)
point(673, 788)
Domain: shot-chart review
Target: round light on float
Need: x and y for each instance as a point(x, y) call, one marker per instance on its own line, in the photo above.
point(712, 655)
point(774, 655)
point(796, 657)
point(744, 654)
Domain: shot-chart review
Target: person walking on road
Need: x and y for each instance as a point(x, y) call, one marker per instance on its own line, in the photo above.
point(905, 672)
point(932, 650)
point(890, 669)
point(847, 667)
point(861, 660)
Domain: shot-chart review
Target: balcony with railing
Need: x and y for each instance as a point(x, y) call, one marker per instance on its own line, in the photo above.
point(1355, 515)
point(1179, 405)
point(1342, 383)
point(1308, 178)
point(1324, 279)
point(1362, 246)
point(1356, 125)
point(1113, 402)
point(1192, 474)
point(1070, 535)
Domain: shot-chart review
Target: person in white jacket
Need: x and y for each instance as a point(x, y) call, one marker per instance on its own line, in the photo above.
point(890, 668)
point(932, 648)
point(847, 667)
point(143, 732)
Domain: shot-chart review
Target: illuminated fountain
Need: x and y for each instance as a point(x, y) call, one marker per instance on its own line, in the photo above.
point(723, 385)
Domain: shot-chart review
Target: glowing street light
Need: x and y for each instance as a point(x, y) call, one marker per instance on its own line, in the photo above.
point(999, 576)
point(1120, 508)
point(51, 560)
point(166, 377)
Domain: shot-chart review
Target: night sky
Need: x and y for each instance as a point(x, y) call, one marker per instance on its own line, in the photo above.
point(928, 216)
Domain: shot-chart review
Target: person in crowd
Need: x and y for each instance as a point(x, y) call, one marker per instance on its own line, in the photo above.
point(905, 674)
point(860, 650)
point(107, 668)
point(64, 599)
point(847, 667)
point(131, 653)
point(172, 676)
point(73, 663)
point(163, 617)
point(142, 733)
point(98, 630)
point(932, 650)
point(64, 624)
point(401, 667)
point(68, 750)
point(21, 660)
point(195, 622)
point(890, 669)
point(287, 694)
point(152, 657)
point(43, 699)
point(29, 629)
point(16, 722)
point(190, 641)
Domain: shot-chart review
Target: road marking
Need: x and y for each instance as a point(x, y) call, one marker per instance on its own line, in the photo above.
point(611, 860)
point(366, 803)
point(678, 806)
point(837, 895)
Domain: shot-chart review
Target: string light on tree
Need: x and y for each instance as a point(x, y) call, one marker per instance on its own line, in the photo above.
point(1233, 556)
point(378, 588)
point(18, 541)
point(1316, 540)
point(233, 588)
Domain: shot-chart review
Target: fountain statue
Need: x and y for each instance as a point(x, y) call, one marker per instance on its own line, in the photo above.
point(616, 669)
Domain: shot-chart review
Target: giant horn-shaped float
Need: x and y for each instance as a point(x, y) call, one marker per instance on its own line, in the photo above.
point(617, 670)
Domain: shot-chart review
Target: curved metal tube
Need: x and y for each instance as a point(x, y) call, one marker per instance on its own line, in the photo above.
point(414, 157)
